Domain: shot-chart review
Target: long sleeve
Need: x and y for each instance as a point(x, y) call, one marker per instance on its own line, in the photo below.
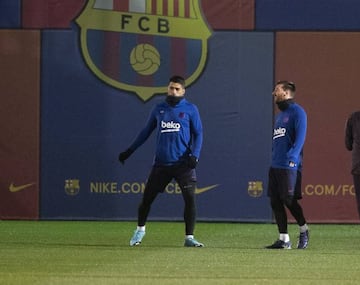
point(197, 133)
point(300, 135)
point(145, 132)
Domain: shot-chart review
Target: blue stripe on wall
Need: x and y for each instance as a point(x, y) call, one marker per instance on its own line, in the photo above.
point(307, 15)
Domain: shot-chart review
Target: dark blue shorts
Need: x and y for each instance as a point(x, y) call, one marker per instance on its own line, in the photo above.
point(161, 176)
point(284, 183)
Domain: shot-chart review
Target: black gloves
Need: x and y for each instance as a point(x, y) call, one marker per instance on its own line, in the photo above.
point(192, 161)
point(125, 155)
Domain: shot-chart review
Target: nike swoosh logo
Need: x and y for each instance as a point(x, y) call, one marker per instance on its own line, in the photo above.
point(13, 188)
point(204, 189)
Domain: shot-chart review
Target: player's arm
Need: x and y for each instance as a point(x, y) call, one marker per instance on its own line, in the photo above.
point(140, 138)
point(197, 133)
point(300, 135)
point(145, 132)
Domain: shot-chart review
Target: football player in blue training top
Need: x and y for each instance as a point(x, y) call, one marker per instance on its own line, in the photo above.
point(179, 138)
point(284, 187)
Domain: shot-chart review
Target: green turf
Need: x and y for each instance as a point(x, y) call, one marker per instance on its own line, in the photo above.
point(43, 252)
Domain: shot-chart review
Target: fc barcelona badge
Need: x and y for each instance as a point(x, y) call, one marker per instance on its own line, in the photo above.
point(255, 188)
point(136, 45)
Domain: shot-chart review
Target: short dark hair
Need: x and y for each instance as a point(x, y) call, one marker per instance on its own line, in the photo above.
point(178, 79)
point(287, 85)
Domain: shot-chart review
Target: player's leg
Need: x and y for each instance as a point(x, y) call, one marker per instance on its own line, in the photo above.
point(297, 212)
point(277, 205)
point(188, 194)
point(186, 178)
point(275, 193)
point(157, 181)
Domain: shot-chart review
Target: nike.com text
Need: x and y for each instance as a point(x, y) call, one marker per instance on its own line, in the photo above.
point(329, 190)
point(127, 188)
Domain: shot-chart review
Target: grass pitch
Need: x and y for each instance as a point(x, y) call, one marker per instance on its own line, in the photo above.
point(73, 252)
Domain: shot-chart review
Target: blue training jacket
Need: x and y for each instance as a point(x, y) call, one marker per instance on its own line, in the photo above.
point(289, 137)
point(179, 132)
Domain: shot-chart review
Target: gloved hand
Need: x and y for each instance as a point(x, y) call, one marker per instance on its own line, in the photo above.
point(125, 155)
point(192, 161)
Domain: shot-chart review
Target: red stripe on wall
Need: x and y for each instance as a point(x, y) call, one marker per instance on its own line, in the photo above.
point(178, 47)
point(187, 9)
point(165, 8)
point(50, 14)
point(121, 5)
point(153, 7)
point(20, 120)
point(230, 14)
point(111, 54)
point(327, 183)
point(176, 8)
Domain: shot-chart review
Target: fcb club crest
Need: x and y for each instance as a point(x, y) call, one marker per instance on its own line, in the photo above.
point(136, 45)
point(72, 186)
point(255, 188)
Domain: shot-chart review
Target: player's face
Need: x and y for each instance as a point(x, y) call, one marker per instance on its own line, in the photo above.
point(175, 89)
point(280, 94)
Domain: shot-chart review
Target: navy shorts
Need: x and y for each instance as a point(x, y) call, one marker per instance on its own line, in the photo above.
point(284, 183)
point(161, 176)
